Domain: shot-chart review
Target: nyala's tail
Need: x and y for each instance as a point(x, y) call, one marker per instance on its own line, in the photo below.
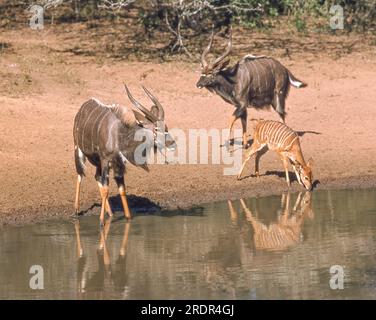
point(296, 82)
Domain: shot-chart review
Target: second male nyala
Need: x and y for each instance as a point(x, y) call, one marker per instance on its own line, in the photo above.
point(253, 82)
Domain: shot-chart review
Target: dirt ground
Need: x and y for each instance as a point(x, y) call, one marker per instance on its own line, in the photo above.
point(42, 86)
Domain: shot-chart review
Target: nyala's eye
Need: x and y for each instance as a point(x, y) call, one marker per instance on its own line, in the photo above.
point(306, 178)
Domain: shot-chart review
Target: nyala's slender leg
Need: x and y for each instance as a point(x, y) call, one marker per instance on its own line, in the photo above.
point(297, 174)
point(285, 162)
point(98, 177)
point(257, 163)
point(119, 170)
point(279, 105)
point(108, 206)
point(104, 196)
point(77, 198)
point(123, 196)
point(231, 126)
point(103, 188)
point(124, 201)
point(244, 128)
point(254, 148)
point(79, 159)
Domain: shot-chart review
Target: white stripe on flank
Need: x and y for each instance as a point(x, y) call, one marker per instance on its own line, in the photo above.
point(277, 136)
point(261, 129)
point(79, 114)
point(287, 135)
point(283, 135)
point(100, 124)
point(263, 76)
point(286, 138)
point(84, 126)
point(271, 68)
point(268, 126)
point(293, 140)
point(273, 133)
point(269, 133)
point(110, 143)
point(258, 76)
point(92, 129)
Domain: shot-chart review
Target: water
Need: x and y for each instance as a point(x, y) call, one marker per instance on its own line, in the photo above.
point(217, 251)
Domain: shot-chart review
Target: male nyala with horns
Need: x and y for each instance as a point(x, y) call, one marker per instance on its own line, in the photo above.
point(253, 82)
point(106, 136)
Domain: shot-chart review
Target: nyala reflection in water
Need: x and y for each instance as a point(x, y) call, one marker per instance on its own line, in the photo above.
point(283, 233)
point(94, 283)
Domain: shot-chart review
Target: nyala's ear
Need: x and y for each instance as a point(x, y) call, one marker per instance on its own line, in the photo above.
point(310, 162)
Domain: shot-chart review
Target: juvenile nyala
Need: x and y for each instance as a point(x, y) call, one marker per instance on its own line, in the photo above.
point(285, 141)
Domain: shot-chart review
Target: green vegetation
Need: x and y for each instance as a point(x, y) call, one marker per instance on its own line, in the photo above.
point(359, 14)
point(184, 20)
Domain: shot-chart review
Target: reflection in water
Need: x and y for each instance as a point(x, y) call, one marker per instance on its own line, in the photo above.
point(286, 231)
point(262, 248)
point(97, 281)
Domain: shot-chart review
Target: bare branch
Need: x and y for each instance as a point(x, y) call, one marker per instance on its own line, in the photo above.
point(115, 5)
point(181, 15)
point(46, 4)
point(179, 39)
